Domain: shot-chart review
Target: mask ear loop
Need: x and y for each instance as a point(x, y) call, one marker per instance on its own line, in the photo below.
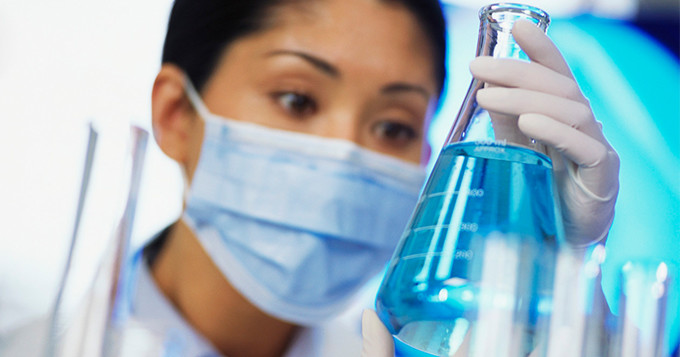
point(203, 113)
point(195, 98)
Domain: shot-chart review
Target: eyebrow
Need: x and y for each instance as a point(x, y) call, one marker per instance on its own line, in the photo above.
point(329, 69)
point(395, 88)
point(319, 63)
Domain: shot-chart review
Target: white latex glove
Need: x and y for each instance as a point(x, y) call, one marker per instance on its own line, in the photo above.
point(377, 340)
point(552, 110)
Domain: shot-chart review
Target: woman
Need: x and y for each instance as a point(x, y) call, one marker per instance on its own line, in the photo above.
point(299, 126)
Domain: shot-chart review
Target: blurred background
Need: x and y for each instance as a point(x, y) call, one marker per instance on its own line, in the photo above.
point(68, 63)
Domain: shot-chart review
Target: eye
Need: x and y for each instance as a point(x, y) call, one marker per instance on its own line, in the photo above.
point(296, 104)
point(395, 133)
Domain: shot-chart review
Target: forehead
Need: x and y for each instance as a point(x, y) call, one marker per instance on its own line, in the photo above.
point(382, 35)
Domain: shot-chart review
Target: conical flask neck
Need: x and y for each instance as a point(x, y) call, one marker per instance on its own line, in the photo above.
point(495, 29)
point(473, 123)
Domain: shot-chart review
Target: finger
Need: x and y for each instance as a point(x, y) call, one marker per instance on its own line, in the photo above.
point(538, 46)
point(528, 75)
point(377, 340)
point(517, 101)
point(598, 163)
point(575, 145)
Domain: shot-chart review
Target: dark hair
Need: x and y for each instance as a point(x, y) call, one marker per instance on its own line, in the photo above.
point(200, 30)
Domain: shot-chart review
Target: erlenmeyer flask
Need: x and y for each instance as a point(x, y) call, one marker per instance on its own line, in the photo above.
point(472, 274)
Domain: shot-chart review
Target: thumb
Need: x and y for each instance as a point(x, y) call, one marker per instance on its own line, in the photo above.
point(377, 340)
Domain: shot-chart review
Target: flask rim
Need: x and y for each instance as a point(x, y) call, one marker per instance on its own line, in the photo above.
point(541, 17)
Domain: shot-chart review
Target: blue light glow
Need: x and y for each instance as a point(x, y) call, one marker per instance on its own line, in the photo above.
point(633, 85)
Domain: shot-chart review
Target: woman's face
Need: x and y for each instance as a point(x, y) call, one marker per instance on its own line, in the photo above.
point(360, 70)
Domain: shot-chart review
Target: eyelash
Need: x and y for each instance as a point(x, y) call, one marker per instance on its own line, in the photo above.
point(300, 105)
point(398, 134)
point(289, 100)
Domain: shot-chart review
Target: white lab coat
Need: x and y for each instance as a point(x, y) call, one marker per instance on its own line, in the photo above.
point(155, 328)
point(340, 336)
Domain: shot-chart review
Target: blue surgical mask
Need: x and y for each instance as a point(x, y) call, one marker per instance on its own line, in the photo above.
point(296, 223)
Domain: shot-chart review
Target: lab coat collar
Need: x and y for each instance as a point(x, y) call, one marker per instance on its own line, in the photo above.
point(337, 337)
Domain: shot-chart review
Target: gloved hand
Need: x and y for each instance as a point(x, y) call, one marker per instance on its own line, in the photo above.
point(377, 340)
point(552, 110)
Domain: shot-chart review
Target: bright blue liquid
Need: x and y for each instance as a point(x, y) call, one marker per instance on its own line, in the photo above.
point(474, 191)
